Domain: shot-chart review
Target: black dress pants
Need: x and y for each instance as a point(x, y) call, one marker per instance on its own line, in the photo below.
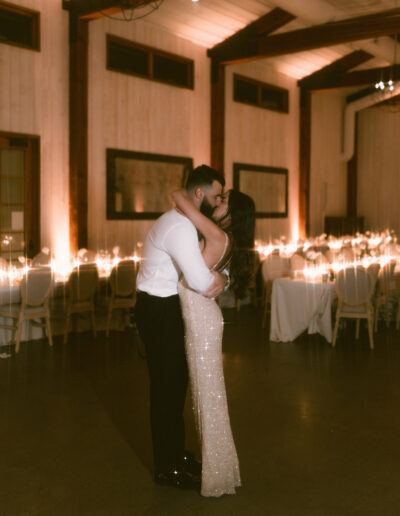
point(160, 325)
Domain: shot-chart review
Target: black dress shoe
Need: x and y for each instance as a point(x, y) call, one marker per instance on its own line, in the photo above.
point(190, 464)
point(178, 478)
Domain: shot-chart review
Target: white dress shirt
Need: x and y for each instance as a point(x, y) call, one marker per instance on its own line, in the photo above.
point(171, 247)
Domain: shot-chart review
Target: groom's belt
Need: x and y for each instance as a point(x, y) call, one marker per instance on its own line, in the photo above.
point(143, 294)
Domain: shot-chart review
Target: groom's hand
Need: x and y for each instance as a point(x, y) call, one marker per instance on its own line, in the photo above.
point(218, 286)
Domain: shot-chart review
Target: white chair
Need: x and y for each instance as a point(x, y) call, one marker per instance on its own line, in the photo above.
point(35, 292)
point(297, 263)
point(392, 249)
point(347, 255)
point(86, 255)
point(321, 259)
point(354, 288)
point(82, 285)
point(386, 291)
point(330, 256)
point(123, 288)
point(41, 259)
point(273, 267)
point(374, 269)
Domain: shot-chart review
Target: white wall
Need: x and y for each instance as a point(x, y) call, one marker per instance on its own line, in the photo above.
point(263, 137)
point(136, 114)
point(34, 100)
point(131, 113)
point(328, 171)
point(379, 169)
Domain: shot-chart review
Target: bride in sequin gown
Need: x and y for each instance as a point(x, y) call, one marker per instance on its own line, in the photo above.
point(203, 339)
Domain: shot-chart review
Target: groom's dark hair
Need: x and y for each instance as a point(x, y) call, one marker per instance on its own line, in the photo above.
point(203, 176)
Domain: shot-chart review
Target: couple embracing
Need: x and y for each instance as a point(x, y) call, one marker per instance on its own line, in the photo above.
point(181, 326)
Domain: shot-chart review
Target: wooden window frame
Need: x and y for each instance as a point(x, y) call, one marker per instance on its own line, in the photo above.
point(263, 210)
point(35, 15)
point(260, 85)
point(152, 51)
point(185, 164)
point(32, 204)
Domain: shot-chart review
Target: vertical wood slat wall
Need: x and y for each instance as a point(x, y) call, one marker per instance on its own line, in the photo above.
point(328, 171)
point(34, 101)
point(134, 114)
point(263, 137)
point(130, 113)
point(378, 183)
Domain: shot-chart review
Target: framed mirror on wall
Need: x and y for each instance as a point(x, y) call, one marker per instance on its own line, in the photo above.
point(139, 184)
point(268, 187)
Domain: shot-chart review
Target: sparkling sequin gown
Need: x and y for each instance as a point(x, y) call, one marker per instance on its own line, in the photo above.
point(203, 338)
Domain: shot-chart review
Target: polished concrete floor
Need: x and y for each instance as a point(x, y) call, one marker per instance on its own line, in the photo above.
point(317, 429)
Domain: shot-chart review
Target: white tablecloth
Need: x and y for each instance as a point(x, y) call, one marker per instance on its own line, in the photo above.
point(297, 306)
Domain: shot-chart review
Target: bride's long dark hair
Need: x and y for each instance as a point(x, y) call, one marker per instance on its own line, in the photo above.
point(241, 210)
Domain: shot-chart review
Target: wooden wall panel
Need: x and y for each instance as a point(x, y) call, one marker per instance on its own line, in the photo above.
point(263, 137)
point(34, 100)
point(379, 169)
point(328, 185)
point(136, 114)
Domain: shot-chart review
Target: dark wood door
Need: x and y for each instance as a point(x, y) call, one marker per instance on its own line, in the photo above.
point(19, 196)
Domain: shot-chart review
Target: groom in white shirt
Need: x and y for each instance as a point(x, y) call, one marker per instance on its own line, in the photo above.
point(172, 248)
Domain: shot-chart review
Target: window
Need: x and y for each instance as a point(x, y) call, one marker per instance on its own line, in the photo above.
point(19, 26)
point(260, 94)
point(128, 57)
point(19, 196)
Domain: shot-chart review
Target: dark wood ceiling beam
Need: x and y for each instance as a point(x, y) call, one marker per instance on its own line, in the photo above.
point(360, 94)
point(88, 9)
point(339, 66)
point(245, 41)
point(358, 78)
point(333, 33)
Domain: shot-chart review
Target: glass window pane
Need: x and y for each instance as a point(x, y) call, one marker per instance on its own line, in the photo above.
point(273, 99)
point(12, 242)
point(18, 242)
point(12, 257)
point(245, 92)
point(12, 218)
point(12, 190)
point(12, 162)
point(128, 59)
point(5, 222)
point(170, 70)
point(16, 27)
